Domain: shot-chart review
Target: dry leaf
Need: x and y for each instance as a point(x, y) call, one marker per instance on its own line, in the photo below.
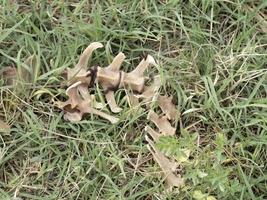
point(9, 75)
point(168, 167)
point(154, 134)
point(167, 107)
point(162, 123)
point(28, 71)
point(4, 127)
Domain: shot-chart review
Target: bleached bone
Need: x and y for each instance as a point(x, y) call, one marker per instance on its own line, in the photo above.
point(135, 79)
point(162, 123)
point(168, 167)
point(167, 107)
point(150, 91)
point(109, 78)
point(85, 108)
point(79, 72)
point(80, 102)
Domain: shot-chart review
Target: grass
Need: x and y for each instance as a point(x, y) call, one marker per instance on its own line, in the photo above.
point(212, 57)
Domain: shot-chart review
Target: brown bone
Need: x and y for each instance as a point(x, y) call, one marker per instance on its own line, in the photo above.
point(135, 79)
point(80, 102)
point(79, 72)
point(109, 78)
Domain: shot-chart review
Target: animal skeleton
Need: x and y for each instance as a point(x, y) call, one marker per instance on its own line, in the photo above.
point(111, 78)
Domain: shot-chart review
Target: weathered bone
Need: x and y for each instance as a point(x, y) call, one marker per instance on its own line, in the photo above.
point(150, 91)
point(80, 102)
point(168, 167)
point(79, 72)
point(135, 80)
point(167, 107)
point(109, 78)
point(84, 107)
point(162, 123)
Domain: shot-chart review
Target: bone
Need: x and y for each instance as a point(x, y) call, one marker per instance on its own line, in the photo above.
point(112, 103)
point(162, 123)
point(87, 54)
point(167, 107)
point(81, 102)
point(73, 116)
point(150, 91)
point(79, 72)
point(135, 79)
point(85, 108)
point(109, 78)
point(72, 93)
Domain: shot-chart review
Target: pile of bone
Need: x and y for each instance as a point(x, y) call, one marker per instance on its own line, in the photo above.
point(111, 78)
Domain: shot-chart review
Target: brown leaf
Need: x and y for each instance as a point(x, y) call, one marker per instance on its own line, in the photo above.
point(4, 127)
point(167, 107)
point(9, 75)
point(28, 71)
point(162, 123)
point(168, 167)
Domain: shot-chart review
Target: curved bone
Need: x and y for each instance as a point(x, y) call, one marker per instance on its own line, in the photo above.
point(79, 72)
point(109, 78)
point(162, 123)
point(80, 102)
point(135, 79)
point(72, 93)
point(87, 54)
point(167, 107)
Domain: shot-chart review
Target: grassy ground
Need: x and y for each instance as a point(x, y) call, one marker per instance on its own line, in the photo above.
point(212, 56)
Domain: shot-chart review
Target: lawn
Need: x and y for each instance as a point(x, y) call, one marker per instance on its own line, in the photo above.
point(211, 57)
